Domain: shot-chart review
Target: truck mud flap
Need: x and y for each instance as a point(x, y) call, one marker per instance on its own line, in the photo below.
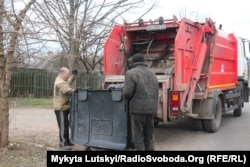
point(98, 118)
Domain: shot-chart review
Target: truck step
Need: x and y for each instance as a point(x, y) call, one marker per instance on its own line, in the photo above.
point(192, 115)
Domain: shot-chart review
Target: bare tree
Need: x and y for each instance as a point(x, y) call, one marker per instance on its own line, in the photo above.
point(194, 15)
point(7, 51)
point(81, 26)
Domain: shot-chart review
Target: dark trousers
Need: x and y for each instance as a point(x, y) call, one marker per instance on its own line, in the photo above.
point(143, 131)
point(62, 118)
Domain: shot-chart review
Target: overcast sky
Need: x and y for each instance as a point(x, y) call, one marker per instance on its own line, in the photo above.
point(234, 15)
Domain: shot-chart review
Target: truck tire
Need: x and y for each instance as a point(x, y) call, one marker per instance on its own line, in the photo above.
point(238, 111)
point(197, 124)
point(213, 125)
point(156, 123)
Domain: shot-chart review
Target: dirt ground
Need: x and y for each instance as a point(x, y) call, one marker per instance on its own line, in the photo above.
point(32, 131)
point(34, 125)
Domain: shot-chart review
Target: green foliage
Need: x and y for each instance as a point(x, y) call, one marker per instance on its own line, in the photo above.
point(31, 102)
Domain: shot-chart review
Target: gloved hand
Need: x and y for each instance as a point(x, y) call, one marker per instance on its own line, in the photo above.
point(75, 72)
point(115, 86)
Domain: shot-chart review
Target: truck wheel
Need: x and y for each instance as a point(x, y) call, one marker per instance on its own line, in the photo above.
point(238, 111)
point(214, 124)
point(156, 123)
point(197, 124)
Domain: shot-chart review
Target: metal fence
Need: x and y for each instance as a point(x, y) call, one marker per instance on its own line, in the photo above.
point(39, 83)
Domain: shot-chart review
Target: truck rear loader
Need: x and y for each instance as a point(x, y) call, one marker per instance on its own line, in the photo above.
point(202, 72)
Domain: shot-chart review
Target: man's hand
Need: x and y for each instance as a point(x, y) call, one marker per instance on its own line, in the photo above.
point(75, 72)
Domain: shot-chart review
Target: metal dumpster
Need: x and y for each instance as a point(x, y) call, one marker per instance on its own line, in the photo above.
point(99, 118)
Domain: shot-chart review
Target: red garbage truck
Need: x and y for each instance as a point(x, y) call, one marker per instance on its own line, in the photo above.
point(202, 73)
point(199, 67)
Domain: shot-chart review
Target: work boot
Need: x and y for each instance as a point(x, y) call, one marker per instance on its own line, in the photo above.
point(64, 146)
point(69, 144)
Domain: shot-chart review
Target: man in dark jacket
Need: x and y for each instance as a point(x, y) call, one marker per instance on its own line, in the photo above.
point(141, 90)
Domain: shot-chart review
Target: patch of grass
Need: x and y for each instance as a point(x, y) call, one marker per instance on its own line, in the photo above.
point(30, 102)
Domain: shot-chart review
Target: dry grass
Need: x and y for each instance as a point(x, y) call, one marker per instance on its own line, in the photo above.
point(21, 154)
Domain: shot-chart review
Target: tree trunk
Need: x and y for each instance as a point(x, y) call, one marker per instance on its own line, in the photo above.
point(6, 71)
point(4, 109)
point(2, 102)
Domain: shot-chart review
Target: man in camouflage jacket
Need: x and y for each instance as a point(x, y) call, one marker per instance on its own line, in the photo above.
point(61, 103)
point(141, 89)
